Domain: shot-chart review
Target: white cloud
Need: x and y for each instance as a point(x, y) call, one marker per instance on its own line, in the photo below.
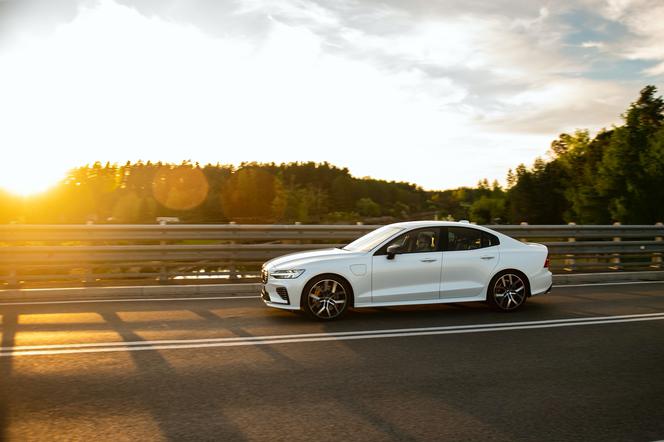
point(643, 19)
point(563, 104)
point(592, 44)
point(655, 70)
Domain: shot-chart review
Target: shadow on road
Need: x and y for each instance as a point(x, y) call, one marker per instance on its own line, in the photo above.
point(242, 332)
point(9, 323)
point(164, 404)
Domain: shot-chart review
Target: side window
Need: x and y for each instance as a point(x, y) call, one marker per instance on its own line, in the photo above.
point(415, 241)
point(489, 240)
point(462, 238)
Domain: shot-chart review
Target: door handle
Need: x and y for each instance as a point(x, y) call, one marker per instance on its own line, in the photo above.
point(487, 257)
point(428, 260)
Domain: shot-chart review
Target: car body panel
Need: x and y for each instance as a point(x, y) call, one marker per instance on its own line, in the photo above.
point(466, 273)
point(409, 277)
point(446, 276)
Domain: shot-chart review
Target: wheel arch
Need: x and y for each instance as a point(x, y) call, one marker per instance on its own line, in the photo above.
point(336, 275)
point(509, 270)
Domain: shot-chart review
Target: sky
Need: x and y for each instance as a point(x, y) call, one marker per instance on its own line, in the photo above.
point(438, 93)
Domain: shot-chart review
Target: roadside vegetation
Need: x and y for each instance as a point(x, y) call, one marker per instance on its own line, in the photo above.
point(616, 175)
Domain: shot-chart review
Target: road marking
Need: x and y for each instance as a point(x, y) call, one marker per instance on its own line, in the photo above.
point(222, 298)
point(358, 332)
point(590, 284)
point(93, 301)
point(103, 347)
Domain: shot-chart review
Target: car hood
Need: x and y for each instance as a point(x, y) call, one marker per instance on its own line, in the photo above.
point(299, 259)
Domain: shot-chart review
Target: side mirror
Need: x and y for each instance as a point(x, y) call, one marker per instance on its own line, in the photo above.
point(393, 250)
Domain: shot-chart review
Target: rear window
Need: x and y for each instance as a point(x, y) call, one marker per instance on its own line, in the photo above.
point(466, 238)
point(489, 239)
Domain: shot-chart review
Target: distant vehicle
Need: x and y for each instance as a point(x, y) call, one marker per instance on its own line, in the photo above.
point(410, 263)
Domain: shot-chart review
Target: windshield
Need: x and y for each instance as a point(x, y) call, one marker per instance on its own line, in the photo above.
point(372, 239)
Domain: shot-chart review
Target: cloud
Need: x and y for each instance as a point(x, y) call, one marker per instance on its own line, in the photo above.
point(561, 106)
point(592, 44)
point(643, 19)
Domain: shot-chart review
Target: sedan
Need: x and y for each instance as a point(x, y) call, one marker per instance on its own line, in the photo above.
point(410, 263)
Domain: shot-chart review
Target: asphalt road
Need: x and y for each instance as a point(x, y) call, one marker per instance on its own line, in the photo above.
point(582, 363)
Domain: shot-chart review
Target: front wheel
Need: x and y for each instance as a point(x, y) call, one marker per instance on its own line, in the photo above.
point(326, 297)
point(507, 291)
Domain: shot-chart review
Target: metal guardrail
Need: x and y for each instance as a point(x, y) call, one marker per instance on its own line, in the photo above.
point(51, 255)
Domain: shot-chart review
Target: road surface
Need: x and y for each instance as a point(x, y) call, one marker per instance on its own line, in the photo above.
point(582, 363)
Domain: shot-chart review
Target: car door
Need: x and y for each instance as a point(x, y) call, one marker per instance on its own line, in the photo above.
point(413, 274)
point(469, 258)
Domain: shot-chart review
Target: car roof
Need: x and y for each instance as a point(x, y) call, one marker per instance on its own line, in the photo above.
point(412, 224)
point(418, 224)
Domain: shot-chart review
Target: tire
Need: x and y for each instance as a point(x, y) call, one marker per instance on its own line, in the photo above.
point(326, 297)
point(508, 291)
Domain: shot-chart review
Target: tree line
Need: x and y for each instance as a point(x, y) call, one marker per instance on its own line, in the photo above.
point(617, 175)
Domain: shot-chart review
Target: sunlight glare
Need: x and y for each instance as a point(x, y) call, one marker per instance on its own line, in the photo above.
point(29, 179)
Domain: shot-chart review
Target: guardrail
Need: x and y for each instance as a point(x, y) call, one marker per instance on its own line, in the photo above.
point(52, 255)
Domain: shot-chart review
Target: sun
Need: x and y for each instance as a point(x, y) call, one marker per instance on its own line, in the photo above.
point(29, 180)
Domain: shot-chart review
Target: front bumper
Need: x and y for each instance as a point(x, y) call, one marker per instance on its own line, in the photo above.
point(280, 295)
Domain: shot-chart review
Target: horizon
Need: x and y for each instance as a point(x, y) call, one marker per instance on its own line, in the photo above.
point(235, 168)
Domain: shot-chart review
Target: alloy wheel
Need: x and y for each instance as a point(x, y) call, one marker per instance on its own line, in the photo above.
point(509, 291)
point(327, 299)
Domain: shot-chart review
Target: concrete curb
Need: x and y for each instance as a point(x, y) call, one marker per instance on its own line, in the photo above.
point(158, 291)
point(596, 278)
point(248, 289)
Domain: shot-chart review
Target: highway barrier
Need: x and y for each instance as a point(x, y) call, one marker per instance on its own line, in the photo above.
point(90, 255)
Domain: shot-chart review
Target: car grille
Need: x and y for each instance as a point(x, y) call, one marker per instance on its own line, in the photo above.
point(264, 275)
point(281, 291)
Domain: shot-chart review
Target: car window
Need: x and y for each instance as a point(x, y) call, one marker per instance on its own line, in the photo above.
point(372, 239)
point(489, 240)
point(463, 238)
point(415, 241)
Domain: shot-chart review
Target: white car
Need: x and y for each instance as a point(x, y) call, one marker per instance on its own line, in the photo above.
point(410, 263)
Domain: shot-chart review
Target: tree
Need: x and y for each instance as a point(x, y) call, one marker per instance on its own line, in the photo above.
point(624, 180)
point(248, 195)
point(580, 157)
point(367, 207)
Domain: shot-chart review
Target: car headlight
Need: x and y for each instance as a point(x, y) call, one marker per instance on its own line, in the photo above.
point(287, 274)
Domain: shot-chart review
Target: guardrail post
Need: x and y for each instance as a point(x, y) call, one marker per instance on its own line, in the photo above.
point(13, 282)
point(87, 276)
point(615, 257)
point(163, 274)
point(232, 271)
point(570, 261)
point(657, 256)
point(523, 223)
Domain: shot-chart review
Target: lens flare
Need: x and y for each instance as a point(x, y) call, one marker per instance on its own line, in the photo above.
point(180, 187)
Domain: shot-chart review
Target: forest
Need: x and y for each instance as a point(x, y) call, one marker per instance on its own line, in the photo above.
point(616, 175)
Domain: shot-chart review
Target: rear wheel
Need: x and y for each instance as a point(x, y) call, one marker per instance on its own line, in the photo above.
point(326, 297)
point(508, 291)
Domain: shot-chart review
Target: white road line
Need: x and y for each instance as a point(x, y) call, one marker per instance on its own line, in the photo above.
point(590, 284)
point(314, 337)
